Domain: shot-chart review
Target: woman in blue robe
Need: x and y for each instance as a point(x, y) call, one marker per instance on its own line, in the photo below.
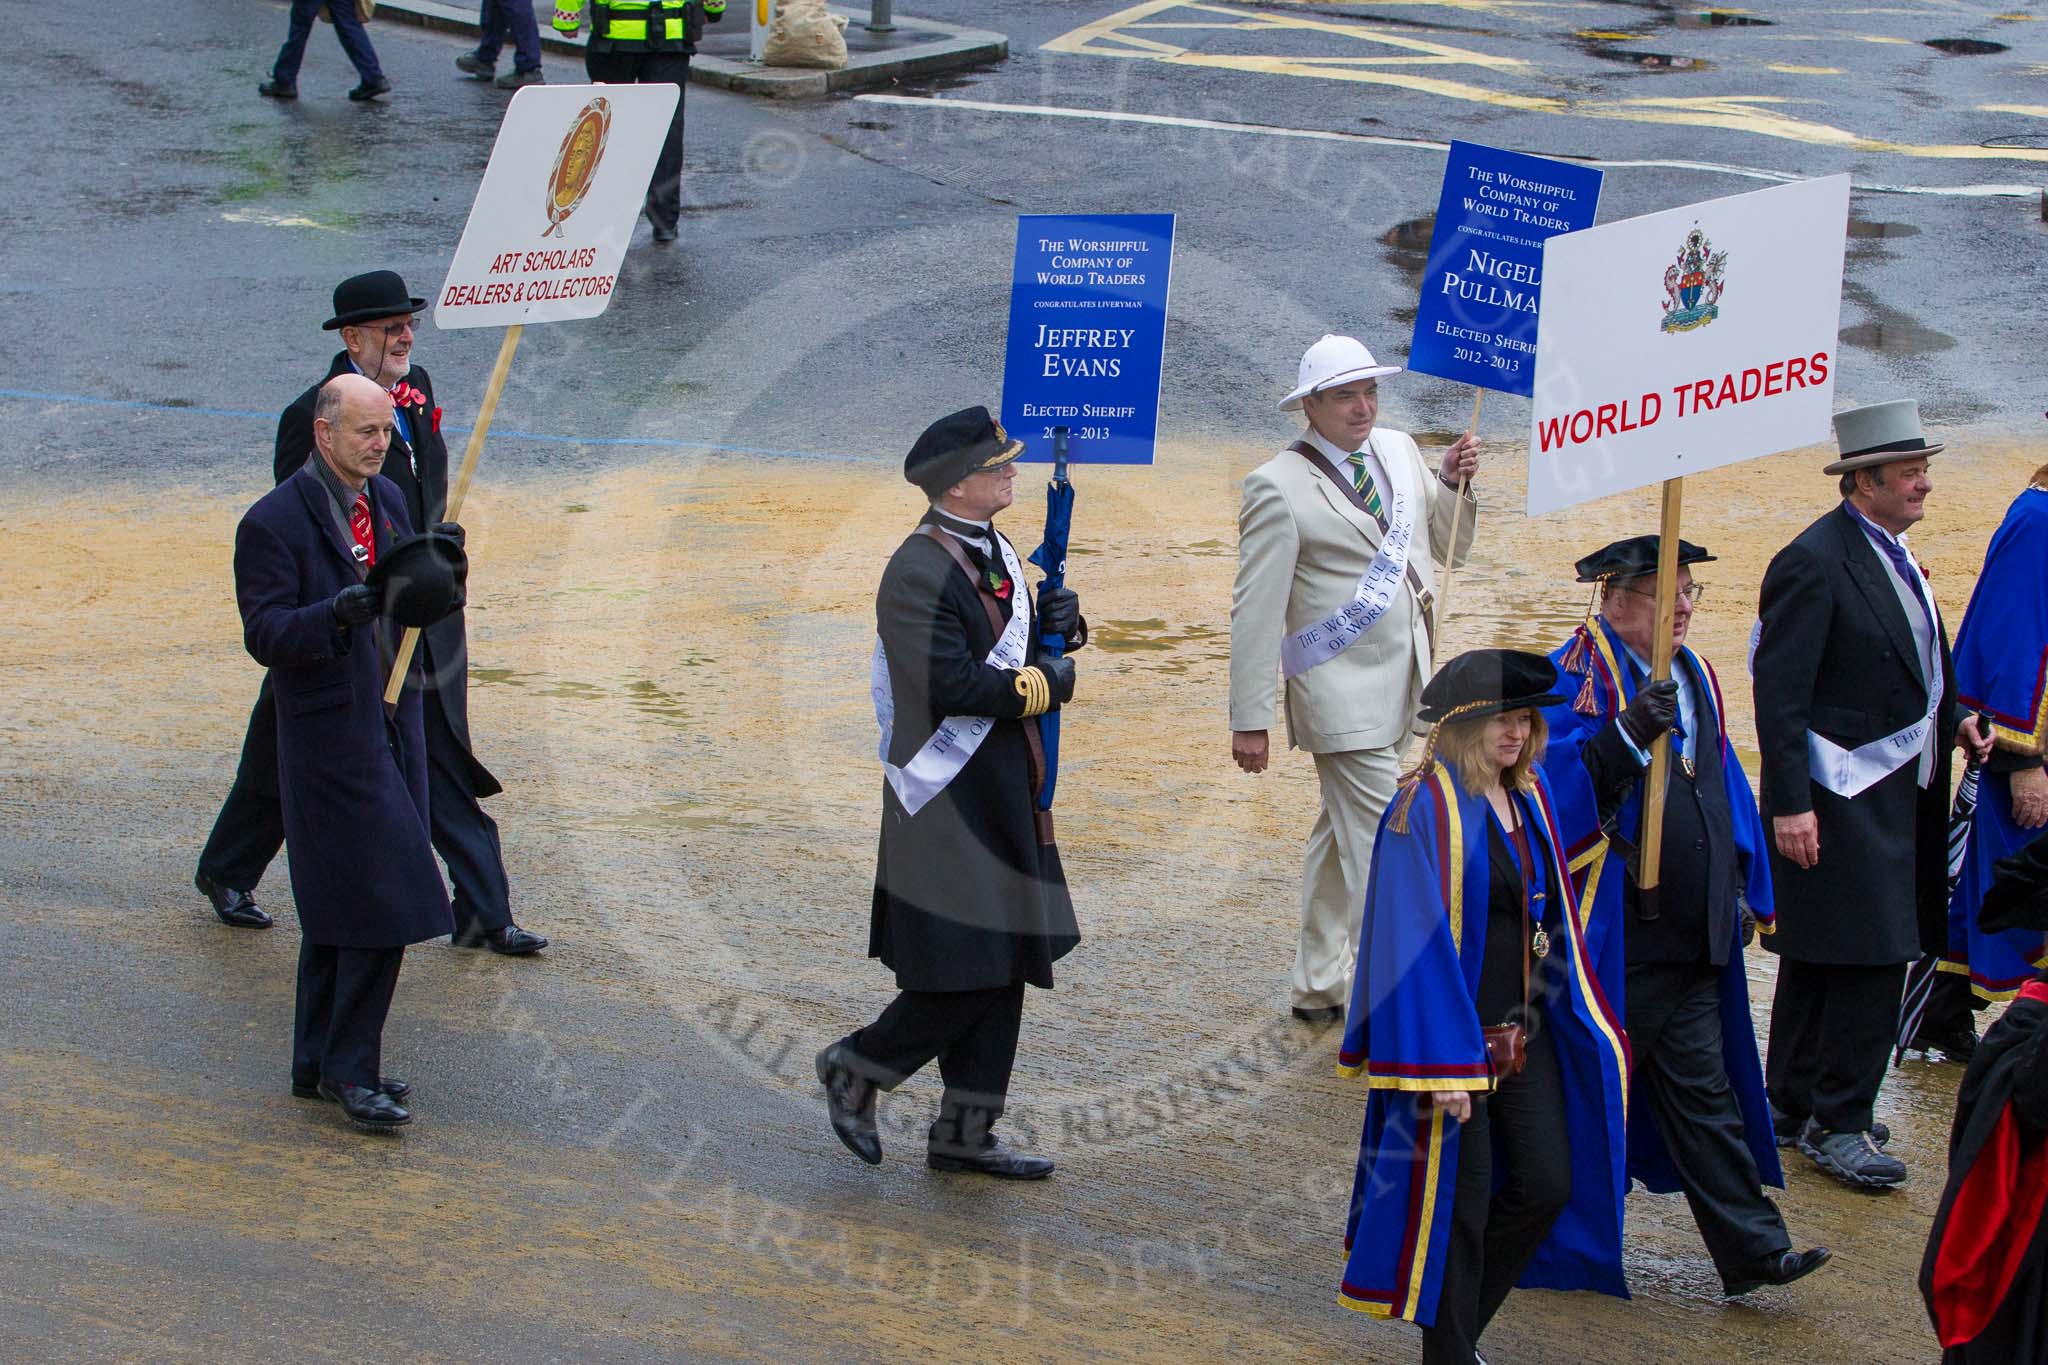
point(2002, 671)
point(1475, 1177)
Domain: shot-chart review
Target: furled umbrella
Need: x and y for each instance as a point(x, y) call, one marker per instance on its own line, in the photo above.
point(1920, 976)
point(1051, 556)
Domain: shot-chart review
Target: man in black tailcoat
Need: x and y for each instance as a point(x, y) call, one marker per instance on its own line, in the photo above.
point(352, 773)
point(970, 902)
point(1856, 711)
point(374, 314)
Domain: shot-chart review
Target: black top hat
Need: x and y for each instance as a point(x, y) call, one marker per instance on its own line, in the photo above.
point(1481, 682)
point(966, 442)
point(1633, 558)
point(422, 579)
point(364, 298)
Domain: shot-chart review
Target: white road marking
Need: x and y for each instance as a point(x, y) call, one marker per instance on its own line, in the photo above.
point(1986, 191)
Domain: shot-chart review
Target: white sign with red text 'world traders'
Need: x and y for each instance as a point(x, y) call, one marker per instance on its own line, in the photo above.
point(1682, 341)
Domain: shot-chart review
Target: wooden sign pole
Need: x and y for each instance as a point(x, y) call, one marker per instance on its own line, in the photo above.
point(489, 410)
point(1652, 841)
point(1441, 611)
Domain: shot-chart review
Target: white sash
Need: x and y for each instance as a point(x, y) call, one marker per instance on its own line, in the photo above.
point(1325, 640)
point(956, 739)
point(1849, 772)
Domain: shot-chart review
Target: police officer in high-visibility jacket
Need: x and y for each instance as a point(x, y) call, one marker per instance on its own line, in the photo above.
point(646, 42)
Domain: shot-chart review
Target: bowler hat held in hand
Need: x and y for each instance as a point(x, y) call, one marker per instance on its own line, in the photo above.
point(421, 580)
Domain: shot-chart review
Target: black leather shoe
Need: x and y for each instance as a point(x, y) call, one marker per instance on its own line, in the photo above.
point(237, 908)
point(664, 234)
point(373, 1111)
point(1957, 1045)
point(510, 941)
point(278, 90)
point(369, 90)
point(476, 67)
point(996, 1159)
point(389, 1085)
point(850, 1101)
point(1785, 1267)
point(1319, 1014)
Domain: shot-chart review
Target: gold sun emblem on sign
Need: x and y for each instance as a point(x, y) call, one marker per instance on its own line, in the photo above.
point(576, 162)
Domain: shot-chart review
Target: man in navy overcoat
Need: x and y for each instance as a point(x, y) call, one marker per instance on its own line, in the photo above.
point(352, 772)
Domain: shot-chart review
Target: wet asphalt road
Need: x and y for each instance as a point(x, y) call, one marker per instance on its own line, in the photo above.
point(622, 1157)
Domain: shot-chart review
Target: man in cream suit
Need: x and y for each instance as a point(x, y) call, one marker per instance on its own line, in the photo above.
point(1337, 540)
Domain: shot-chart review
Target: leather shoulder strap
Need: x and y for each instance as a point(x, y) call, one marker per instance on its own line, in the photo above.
point(1344, 485)
point(958, 553)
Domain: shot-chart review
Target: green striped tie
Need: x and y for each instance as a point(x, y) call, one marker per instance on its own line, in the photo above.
point(1361, 479)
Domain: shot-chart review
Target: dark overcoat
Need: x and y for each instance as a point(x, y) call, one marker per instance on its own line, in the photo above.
point(965, 897)
point(352, 778)
point(420, 469)
point(1836, 656)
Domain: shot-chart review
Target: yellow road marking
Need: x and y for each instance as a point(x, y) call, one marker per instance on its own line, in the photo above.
point(1787, 68)
point(1760, 116)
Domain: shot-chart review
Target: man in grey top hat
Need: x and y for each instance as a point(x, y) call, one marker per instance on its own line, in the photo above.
point(1856, 710)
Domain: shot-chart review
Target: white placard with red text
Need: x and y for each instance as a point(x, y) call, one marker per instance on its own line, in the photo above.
point(1661, 353)
point(557, 205)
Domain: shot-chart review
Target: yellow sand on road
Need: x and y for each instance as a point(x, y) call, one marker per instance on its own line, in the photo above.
point(669, 670)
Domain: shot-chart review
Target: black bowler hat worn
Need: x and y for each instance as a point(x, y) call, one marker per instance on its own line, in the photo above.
point(365, 298)
point(421, 580)
point(966, 442)
point(1633, 558)
point(1482, 682)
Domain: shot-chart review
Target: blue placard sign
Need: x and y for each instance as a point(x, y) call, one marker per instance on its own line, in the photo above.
point(1087, 334)
point(1476, 319)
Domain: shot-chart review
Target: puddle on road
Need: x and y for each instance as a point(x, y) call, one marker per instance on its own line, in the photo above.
point(1889, 331)
point(1864, 230)
point(1647, 61)
point(1965, 47)
point(1719, 18)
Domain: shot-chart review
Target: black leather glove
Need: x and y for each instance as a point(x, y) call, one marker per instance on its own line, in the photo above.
point(1748, 921)
point(1059, 612)
point(448, 529)
point(1059, 673)
point(354, 604)
point(1654, 711)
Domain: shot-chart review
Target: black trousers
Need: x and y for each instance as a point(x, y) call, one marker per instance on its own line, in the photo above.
point(1494, 1234)
point(1674, 1034)
point(249, 830)
point(1832, 1029)
point(344, 998)
point(665, 190)
point(972, 1035)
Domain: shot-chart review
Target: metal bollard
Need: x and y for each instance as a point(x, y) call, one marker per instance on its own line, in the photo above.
point(881, 16)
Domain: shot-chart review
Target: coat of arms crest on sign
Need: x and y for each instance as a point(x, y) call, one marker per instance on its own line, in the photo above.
point(576, 162)
point(1693, 284)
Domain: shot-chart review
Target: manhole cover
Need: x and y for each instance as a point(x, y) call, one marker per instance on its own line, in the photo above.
point(1966, 47)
